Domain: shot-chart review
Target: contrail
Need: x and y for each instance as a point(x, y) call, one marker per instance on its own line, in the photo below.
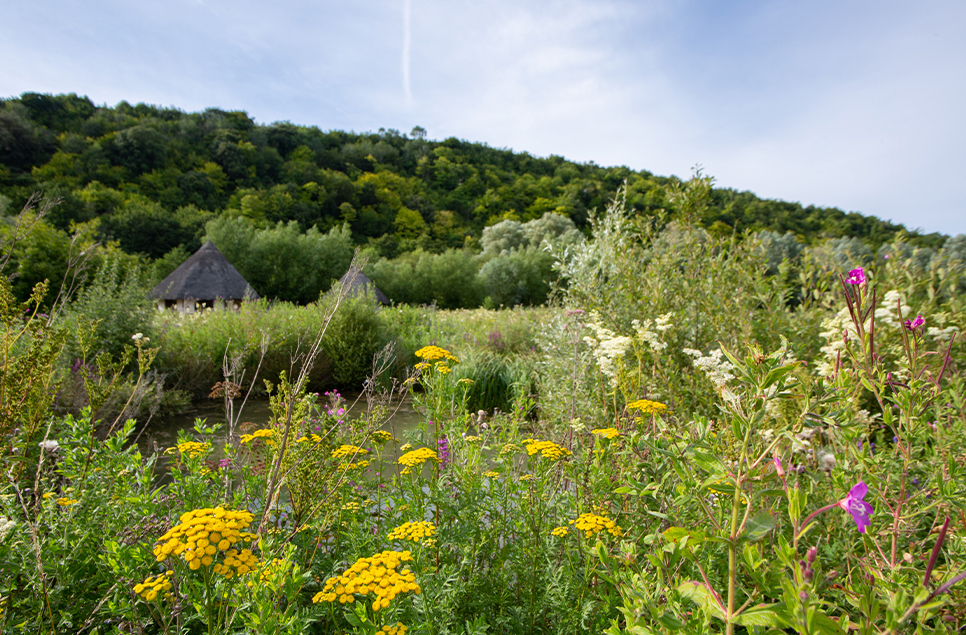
point(407, 39)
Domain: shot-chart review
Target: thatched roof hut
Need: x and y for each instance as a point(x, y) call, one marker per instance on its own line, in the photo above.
point(361, 283)
point(206, 279)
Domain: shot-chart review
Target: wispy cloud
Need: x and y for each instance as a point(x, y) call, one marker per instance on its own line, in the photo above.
point(827, 103)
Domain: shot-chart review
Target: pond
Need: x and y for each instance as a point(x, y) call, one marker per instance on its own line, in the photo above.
point(163, 433)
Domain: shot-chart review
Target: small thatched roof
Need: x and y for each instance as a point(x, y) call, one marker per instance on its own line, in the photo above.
point(205, 276)
point(361, 283)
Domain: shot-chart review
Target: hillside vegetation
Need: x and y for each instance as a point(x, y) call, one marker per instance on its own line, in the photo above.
point(288, 204)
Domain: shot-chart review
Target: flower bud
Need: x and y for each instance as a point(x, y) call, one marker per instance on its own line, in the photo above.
point(812, 554)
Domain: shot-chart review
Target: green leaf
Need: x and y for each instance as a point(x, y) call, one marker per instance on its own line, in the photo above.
point(764, 615)
point(670, 622)
point(709, 463)
point(759, 525)
point(626, 490)
point(701, 595)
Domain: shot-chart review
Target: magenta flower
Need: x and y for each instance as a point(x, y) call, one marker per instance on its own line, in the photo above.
point(859, 509)
point(914, 324)
point(856, 276)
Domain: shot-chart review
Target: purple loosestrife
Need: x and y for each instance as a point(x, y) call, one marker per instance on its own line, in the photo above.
point(442, 450)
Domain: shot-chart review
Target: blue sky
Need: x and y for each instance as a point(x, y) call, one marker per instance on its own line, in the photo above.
point(857, 105)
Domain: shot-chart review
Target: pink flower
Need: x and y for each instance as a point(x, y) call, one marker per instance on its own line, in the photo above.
point(859, 509)
point(856, 276)
point(778, 468)
point(913, 325)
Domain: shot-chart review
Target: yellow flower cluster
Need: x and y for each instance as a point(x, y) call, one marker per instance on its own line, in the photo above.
point(273, 573)
point(607, 433)
point(593, 524)
point(491, 474)
point(418, 457)
point(312, 438)
point(203, 533)
point(191, 448)
point(398, 629)
point(527, 477)
point(257, 434)
point(433, 353)
point(155, 585)
point(414, 531)
point(547, 449)
point(376, 575)
point(509, 448)
point(473, 439)
point(65, 502)
point(646, 406)
point(560, 532)
point(383, 436)
point(351, 506)
point(345, 467)
point(347, 450)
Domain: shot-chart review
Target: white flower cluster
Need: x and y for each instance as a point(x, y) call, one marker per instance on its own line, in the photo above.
point(942, 335)
point(833, 331)
point(6, 524)
point(714, 366)
point(608, 348)
point(653, 339)
point(886, 313)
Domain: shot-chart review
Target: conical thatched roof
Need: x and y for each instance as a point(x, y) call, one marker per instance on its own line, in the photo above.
point(361, 283)
point(205, 276)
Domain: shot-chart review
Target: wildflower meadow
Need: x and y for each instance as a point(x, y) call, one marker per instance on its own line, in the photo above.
point(683, 441)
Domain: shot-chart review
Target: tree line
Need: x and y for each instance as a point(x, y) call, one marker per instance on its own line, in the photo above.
point(157, 181)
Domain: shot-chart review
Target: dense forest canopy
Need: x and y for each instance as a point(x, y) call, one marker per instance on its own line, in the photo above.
point(159, 180)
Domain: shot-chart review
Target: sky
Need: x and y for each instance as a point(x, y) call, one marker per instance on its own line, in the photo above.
point(848, 104)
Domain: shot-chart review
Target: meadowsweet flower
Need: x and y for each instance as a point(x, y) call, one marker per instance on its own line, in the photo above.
point(608, 348)
point(417, 457)
point(6, 525)
point(377, 575)
point(547, 449)
point(855, 505)
point(717, 369)
point(593, 524)
point(414, 531)
point(647, 406)
point(856, 276)
point(607, 433)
